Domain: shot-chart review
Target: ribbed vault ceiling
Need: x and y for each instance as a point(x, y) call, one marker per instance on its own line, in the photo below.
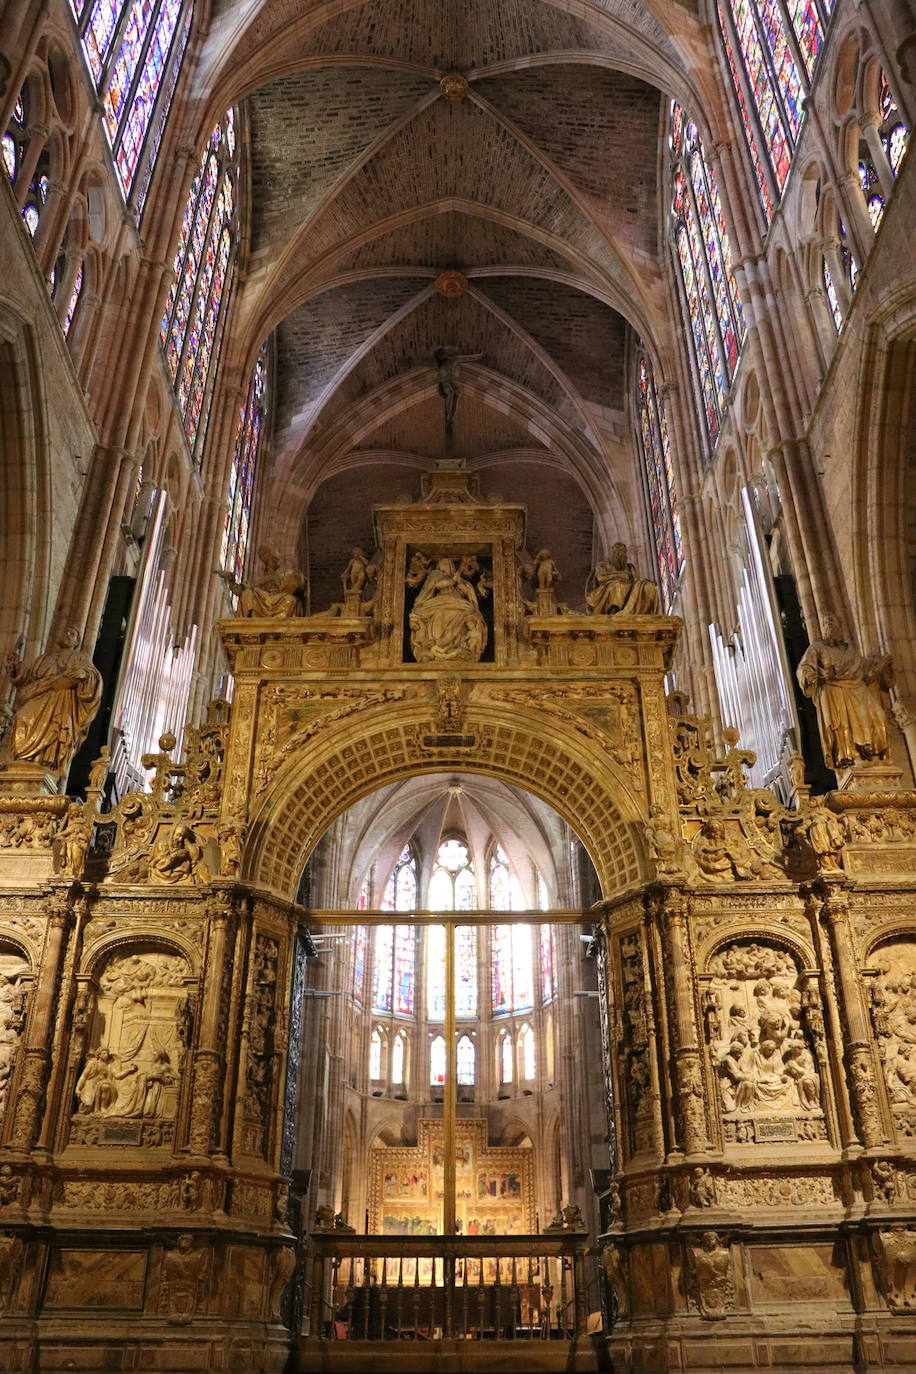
point(367, 181)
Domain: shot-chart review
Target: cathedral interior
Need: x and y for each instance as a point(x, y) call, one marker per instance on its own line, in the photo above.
point(457, 686)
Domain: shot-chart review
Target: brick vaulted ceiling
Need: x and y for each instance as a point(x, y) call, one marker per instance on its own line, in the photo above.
point(540, 184)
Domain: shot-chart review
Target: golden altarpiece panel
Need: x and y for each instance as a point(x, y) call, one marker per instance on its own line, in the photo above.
point(757, 988)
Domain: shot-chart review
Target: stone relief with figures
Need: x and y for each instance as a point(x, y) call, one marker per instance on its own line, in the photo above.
point(767, 1078)
point(893, 1008)
point(128, 1079)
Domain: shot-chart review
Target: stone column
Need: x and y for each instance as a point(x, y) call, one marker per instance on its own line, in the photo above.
point(210, 1055)
point(35, 1055)
point(670, 907)
point(861, 1069)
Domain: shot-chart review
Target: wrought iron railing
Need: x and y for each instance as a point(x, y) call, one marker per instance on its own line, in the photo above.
point(390, 1288)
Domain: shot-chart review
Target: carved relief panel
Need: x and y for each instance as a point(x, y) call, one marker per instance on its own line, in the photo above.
point(893, 1006)
point(126, 1089)
point(633, 1044)
point(14, 982)
point(768, 1080)
point(263, 1050)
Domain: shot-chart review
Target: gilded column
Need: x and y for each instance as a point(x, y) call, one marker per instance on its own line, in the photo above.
point(35, 1058)
point(209, 1057)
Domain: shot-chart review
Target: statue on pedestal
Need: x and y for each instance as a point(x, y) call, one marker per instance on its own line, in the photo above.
point(56, 699)
point(277, 596)
point(618, 590)
point(845, 686)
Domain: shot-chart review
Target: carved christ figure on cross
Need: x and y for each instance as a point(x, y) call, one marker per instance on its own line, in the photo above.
point(448, 371)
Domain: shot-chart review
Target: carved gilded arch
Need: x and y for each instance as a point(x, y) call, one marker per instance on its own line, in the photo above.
point(743, 932)
point(525, 746)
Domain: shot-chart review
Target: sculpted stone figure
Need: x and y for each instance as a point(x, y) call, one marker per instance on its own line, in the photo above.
point(448, 373)
point(177, 857)
point(826, 836)
point(844, 686)
point(719, 860)
point(357, 572)
point(184, 1268)
point(895, 1257)
point(710, 1265)
point(279, 593)
point(74, 838)
point(445, 619)
point(702, 1188)
point(282, 1268)
point(663, 845)
point(56, 699)
point(893, 999)
point(618, 590)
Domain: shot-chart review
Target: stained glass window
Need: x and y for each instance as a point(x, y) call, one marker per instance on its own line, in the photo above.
point(843, 261)
point(526, 1053)
point(375, 1055)
point(548, 964)
point(655, 444)
point(892, 130)
point(704, 259)
point(383, 971)
point(506, 1059)
point(404, 962)
point(15, 138)
point(871, 187)
point(360, 941)
point(401, 890)
point(505, 889)
point(466, 1056)
point(134, 49)
point(74, 299)
point(772, 48)
point(511, 959)
point(437, 1061)
point(191, 325)
point(244, 465)
point(465, 972)
point(399, 1058)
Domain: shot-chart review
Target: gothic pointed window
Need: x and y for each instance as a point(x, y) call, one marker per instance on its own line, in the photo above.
point(548, 964)
point(511, 946)
point(892, 131)
point(74, 300)
point(399, 1059)
point(506, 1059)
point(452, 887)
point(192, 323)
point(526, 1053)
point(134, 50)
point(655, 446)
point(771, 49)
point(466, 1056)
point(360, 942)
point(242, 475)
point(437, 1061)
point(375, 1055)
point(396, 946)
point(704, 259)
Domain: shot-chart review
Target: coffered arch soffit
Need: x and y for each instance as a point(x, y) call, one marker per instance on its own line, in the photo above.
point(521, 746)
